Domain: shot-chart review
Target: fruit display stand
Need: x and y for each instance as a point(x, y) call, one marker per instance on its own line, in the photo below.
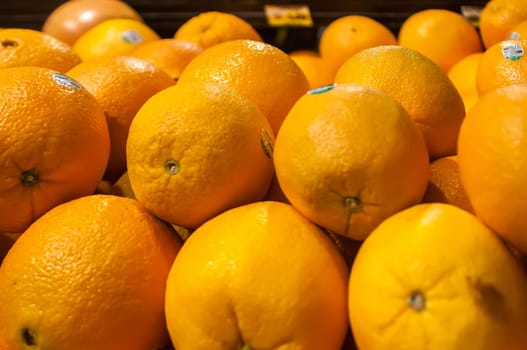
point(259, 188)
point(298, 27)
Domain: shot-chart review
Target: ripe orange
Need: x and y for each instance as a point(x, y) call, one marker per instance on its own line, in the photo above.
point(347, 157)
point(492, 162)
point(89, 274)
point(498, 17)
point(421, 87)
point(463, 75)
point(318, 72)
point(121, 85)
point(28, 47)
point(259, 276)
point(213, 27)
point(347, 35)
point(170, 55)
point(113, 37)
point(434, 277)
point(69, 20)
point(502, 64)
point(445, 185)
point(197, 149)
point(261, 71)
point(444, 36)
point(54, 143)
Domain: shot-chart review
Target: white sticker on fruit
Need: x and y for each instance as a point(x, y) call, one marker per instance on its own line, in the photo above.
point(512, 50)
point(132, 37)
point(514, 36)
point(66, 81)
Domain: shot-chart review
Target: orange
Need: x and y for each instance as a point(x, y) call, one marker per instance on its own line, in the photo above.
point(348, 156)
point(318, 72)
point(89, 274)
point(170, 55)
point(492, 162)
point(113, 37)
point(434, 277)
point(197, 149)
point(502, 64)
point(418, 84)
point(261, 71)
point(444, 36)
point(121, 85)
point(518, 31)
point(54, 143)
point(498, 17)
point(259, 276)
point(213, 27)
point(28, 47)
point(69, 20)
point(463, 75)
point(445, 185)
point(347, 35)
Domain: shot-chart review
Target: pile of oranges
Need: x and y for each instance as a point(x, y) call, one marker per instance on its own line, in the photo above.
point(211, 191)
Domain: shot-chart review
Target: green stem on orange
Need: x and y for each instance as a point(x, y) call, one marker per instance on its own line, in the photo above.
point(246, 347)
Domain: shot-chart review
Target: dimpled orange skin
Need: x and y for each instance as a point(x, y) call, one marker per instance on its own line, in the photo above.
point(121, 85)
point(259, 276)
point(197, 149)
point(498, 68)
point(434, 277)
point(418, 84)
point(492, 162)
point(260, 71)
point(349, 157)
point(170, 55)
point(444, 36)
point(28, 47)
point(347, 35)
point(54, 143)
point(89, 274)
point(213, 27)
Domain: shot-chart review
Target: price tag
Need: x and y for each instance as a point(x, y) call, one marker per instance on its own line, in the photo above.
point(288, 15)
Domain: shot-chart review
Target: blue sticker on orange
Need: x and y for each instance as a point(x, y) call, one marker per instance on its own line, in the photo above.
point(321, 89)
